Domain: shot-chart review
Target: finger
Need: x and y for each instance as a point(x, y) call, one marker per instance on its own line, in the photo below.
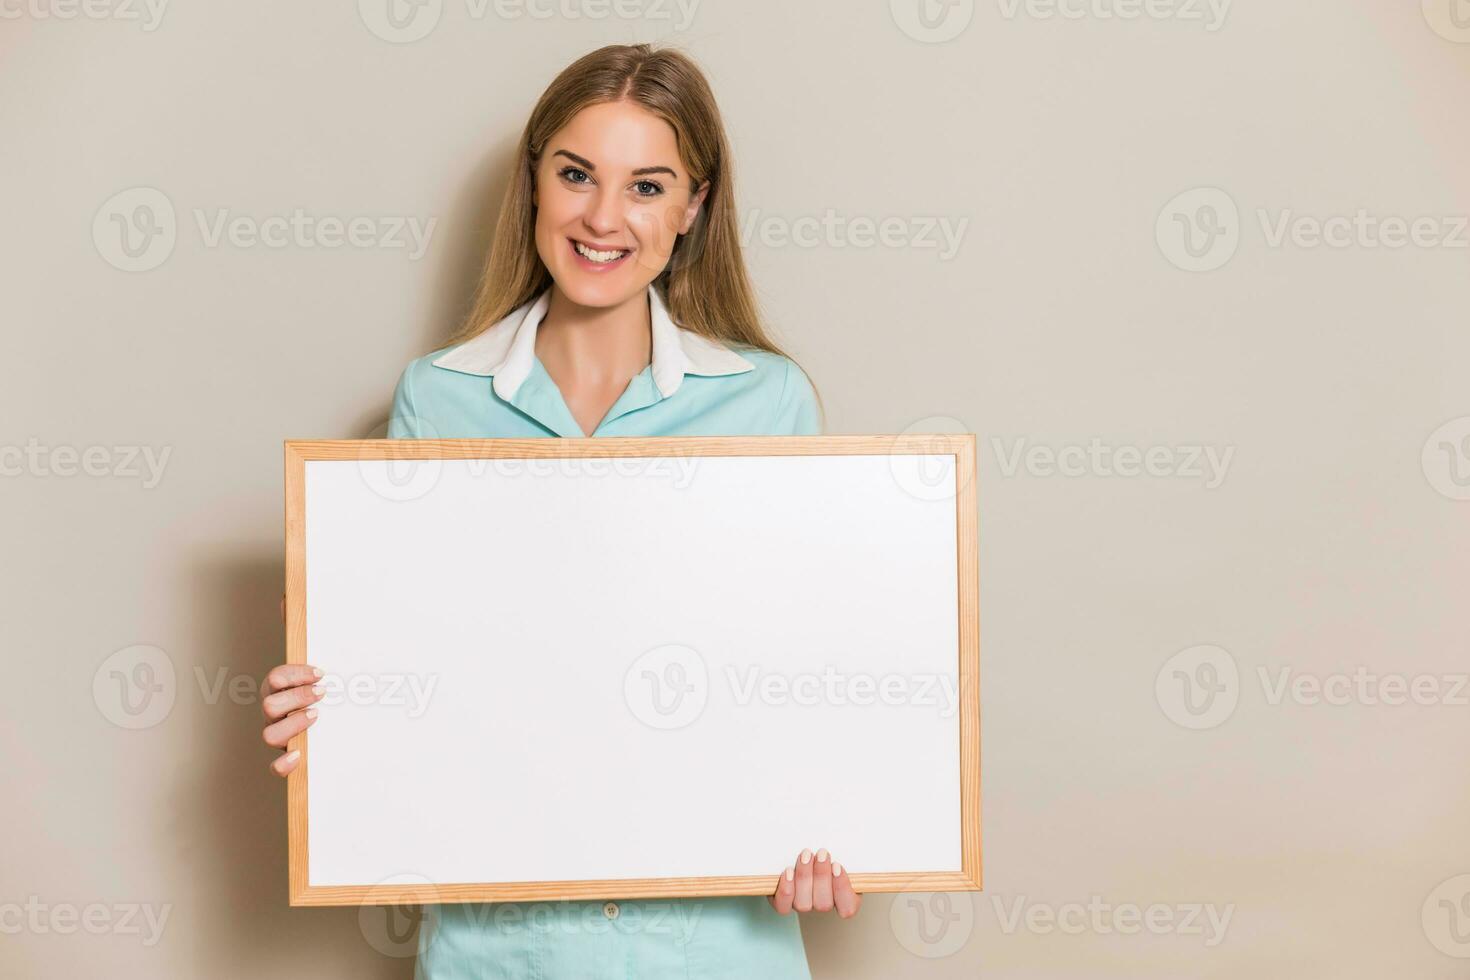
point(843, 897)
point(822, 882)
point(286, 764)
point(802, 902)
point(291, 675)
point(282, 703)
point(785, 892)
point(279, 734)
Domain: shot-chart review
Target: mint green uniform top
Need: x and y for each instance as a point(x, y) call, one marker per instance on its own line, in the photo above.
point(493, 386)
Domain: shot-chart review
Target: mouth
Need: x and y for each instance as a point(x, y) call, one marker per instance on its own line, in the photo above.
point(598, 259)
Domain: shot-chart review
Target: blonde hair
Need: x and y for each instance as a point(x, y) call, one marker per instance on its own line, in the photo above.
point(705, 285)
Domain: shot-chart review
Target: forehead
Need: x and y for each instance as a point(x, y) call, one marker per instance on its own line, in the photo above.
point(619, 136)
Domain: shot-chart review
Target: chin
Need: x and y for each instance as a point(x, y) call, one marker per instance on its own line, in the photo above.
point(585, 290)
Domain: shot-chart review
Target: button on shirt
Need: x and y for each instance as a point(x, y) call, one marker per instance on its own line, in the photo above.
point(494, 386)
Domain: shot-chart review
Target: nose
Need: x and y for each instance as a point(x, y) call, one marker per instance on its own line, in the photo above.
point(604, 215)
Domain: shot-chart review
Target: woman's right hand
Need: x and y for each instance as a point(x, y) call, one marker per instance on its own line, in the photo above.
point(290, 691)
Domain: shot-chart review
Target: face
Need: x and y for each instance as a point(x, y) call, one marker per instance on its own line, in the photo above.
point(612, 196)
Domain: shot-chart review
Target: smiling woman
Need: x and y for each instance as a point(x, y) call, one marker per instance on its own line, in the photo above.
point(614, 302)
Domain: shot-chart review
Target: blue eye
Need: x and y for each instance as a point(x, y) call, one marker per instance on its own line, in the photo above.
point(566, 172)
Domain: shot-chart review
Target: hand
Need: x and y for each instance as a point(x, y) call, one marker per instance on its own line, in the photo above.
point(286, 702)
point(815, 883)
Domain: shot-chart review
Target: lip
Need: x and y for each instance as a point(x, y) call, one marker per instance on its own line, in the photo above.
point(591, 266)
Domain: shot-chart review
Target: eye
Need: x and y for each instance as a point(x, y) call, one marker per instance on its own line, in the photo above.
point(655, 192)
point(566, 173)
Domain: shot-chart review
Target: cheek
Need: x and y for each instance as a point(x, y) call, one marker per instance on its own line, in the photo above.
point(555, 209)
point(657, 226)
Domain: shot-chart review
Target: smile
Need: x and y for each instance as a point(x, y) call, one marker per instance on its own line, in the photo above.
point(599, 258)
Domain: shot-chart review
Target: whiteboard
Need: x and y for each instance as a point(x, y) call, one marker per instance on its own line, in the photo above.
point(631, 668)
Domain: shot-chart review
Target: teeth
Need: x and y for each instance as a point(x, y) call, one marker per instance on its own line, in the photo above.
point(596, 256)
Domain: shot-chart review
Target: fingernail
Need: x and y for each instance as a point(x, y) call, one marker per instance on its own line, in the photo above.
point(317, 689)
point(311, 712)
point(293, 756)
point(790, 873)
point(316, 671)
point(836, 869)
point(822, 854)
point(806, 855)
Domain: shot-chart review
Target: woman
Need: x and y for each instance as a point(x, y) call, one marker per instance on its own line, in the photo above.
point(615, 302)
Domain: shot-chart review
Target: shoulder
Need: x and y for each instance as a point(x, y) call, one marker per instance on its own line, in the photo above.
point(775, 372)
point(786, 388)
point(422, 375)
point(421, 393)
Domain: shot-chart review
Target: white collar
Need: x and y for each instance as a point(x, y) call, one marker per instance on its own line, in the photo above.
point(507, 350)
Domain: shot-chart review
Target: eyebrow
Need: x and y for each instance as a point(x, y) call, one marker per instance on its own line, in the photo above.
point(586, 164)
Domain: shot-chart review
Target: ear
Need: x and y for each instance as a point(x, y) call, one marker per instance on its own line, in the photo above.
point(692, 210)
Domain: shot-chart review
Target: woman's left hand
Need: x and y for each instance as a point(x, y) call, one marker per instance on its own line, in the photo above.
point(816, 883)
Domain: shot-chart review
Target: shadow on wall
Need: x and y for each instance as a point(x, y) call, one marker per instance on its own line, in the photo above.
point(466, 233)
point(232, 819)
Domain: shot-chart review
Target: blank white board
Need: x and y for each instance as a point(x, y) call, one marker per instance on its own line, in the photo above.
point(627, 668)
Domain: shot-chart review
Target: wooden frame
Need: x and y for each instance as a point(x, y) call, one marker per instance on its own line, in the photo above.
point(961, 446)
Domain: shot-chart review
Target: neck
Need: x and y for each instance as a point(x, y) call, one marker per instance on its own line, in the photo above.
point(593, 344)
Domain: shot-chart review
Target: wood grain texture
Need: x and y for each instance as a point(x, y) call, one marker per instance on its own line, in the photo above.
point(960, 446)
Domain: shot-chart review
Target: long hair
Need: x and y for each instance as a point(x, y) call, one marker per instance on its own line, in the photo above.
point(705, 285)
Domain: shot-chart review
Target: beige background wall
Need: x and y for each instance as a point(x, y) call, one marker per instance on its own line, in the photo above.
point(1331, 537)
